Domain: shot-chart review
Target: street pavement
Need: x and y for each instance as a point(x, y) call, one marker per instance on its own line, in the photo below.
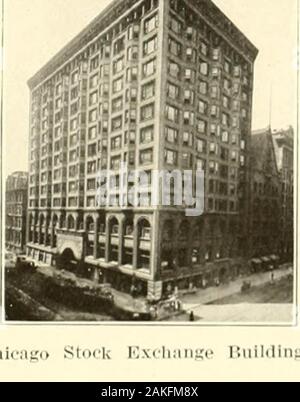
point(243, 312)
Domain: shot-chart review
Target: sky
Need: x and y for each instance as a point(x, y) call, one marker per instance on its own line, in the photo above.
point(35, 30)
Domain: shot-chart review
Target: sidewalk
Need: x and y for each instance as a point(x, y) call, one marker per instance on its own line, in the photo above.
point(212, 294)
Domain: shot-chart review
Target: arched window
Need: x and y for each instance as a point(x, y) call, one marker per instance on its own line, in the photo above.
point(144, 229)
point(71, 222)
point(90, 225)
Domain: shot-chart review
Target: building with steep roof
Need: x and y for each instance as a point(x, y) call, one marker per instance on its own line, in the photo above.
point(283, 141)
point(265, 200)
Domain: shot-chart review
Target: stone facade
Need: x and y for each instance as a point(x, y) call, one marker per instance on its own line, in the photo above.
point(158, 85)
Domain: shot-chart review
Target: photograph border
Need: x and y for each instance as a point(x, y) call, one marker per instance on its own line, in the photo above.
point(158, 324)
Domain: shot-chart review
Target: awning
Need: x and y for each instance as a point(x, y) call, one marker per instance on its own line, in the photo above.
point(256, 261)
point(274, 257)
point(265, 259)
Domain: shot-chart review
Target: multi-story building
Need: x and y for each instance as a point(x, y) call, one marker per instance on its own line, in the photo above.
point(16, 211)
point(284, 150)
point(265, 209)
point(157, 84)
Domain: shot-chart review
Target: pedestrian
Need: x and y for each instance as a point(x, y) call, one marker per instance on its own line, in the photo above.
point(192, 316)
point(272, 277)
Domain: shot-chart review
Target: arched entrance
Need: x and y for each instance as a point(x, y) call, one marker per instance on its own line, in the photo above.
point(67, 260)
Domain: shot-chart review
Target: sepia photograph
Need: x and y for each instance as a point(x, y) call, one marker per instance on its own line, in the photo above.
point(148, 161)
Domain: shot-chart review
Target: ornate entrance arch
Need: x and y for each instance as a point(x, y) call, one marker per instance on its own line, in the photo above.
point(67, 260)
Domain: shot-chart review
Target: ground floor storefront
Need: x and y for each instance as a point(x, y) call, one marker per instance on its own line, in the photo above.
point(140, 283)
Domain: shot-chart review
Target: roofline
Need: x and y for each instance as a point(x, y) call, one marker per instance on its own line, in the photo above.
point(87, 34)
point(251, 44)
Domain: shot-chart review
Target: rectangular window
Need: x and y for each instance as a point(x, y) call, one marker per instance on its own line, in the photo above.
point(151, 24)
point(175, 26)
point(133, 32)
point(171, 135)
point(225, 136)
point(216, 54)
point(147, 134)
point(73, 156)
point(189, 97)
point(214, 111)
point(132, 53)
point(225, 102)
point(191, 33)
point(104, 89)
point(188, 139)
point(147, 112)
point(93, 115)
point(92, 150)
point(118, 66)
point(237, 71)
point(117, 104)
point(189, 118)
point(191, 54)
point(90, 201)
point(244, 113)
point(227, 67)
point(94, 63)
point(215, 129)
point(93, 98)
point(175, 47)
point(204, 68)
point(202, 107)
point(148, 90)
point(200, 164)
point(172, 113)
point(226, 85)
point(174, 69)
point(189, 75)
point(225, 119)
point(149, 68)
point(203, 87)
point(116, 124)
point(91, 167)
point(131, 74)
point(201, 126)
point(186, 160)
point(201, 146)
point(213, 148)
point(75, 78)
point(116, 143)
point(104, 70)
point(118, 85)
point(150, 46)
point(94, 81)
point(146, 157)
point(115, 162)
point(172, 91)
point(204, 48)
point(171, 157)
point(119, 45)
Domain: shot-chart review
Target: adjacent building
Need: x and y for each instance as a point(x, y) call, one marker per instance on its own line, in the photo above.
point(157, 84)
point(16, 211)
point(284, 150)
point(271, 198)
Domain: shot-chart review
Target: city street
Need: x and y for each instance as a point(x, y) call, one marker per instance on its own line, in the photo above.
point(264, 303)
